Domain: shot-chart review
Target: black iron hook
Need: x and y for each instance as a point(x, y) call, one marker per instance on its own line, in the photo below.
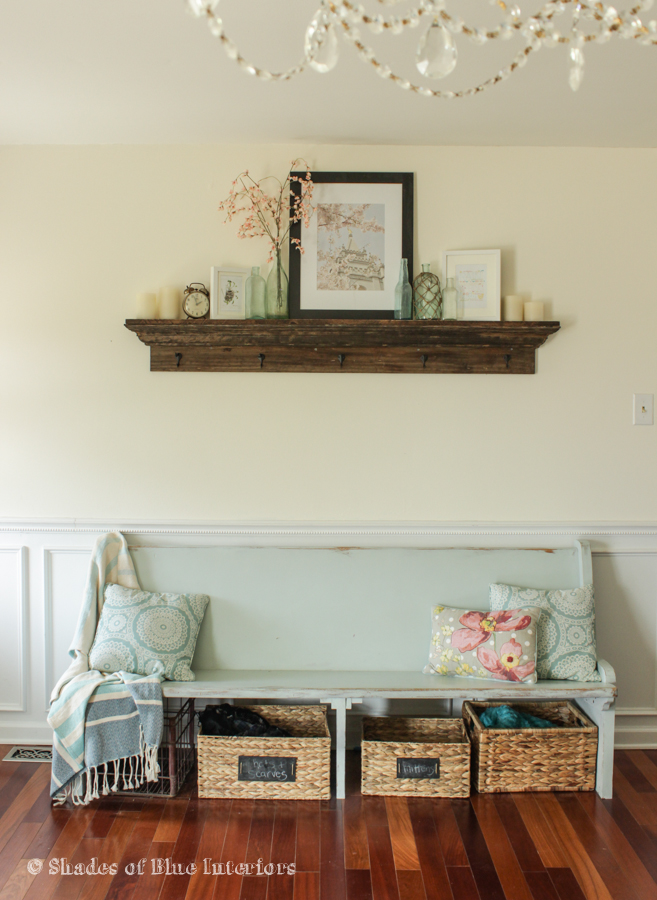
point(507, 359)
point(341, 358)
point(261, 357)
point(424, 359)
point(178, 358)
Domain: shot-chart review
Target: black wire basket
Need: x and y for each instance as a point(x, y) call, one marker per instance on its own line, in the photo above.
point(176, 755)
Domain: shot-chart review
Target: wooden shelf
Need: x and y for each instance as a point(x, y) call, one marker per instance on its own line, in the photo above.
point(342, 345)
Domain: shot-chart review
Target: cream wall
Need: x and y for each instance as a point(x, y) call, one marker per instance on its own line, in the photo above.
point(88, 431)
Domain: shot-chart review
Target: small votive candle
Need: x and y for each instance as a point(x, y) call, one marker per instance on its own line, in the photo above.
point(534, 311)
point(512, 308)
point(170, 303)
point(146, 306)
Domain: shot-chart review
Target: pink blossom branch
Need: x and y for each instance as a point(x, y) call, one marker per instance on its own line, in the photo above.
point(266, 215)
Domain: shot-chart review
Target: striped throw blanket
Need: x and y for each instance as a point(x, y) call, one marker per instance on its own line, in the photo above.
point(107, 728)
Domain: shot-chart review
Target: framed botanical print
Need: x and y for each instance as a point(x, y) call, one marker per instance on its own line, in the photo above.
point(361, 230)
point(227, 293)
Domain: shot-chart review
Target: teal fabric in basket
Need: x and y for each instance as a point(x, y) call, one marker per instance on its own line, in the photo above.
point(566, 630)
point(508, 717)
point(148, 633)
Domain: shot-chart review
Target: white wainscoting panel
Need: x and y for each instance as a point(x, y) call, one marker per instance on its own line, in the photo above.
point(626, 610)
point(38, 615)
point(14, 630)
point(65, 575)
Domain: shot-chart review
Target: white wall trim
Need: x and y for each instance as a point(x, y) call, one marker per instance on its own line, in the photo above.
point(77, 526)
point(637, 711)
point(650, 745)
point(626, 552)
point(48, 648)
point(23, 627)
point(24, 624)
point(636, 729)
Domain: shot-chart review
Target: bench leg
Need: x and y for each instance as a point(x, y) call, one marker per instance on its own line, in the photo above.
point(603, 713)
point(341, 705)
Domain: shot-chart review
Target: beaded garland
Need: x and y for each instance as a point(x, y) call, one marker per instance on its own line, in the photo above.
point(538, 30)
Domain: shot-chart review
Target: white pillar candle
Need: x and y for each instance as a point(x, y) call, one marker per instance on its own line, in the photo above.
point(534, 310)
point(512, 308)
point(170, 303)
point(146, 306)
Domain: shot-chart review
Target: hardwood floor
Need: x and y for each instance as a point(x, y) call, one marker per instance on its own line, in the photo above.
point(491, 847)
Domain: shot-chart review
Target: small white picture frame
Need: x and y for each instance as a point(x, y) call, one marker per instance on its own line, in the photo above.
point(476, 274)
point(227, 292)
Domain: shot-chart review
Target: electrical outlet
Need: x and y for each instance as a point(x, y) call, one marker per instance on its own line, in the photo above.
point(643, 407)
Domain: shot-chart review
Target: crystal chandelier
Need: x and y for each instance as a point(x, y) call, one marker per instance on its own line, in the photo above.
point(436, 56)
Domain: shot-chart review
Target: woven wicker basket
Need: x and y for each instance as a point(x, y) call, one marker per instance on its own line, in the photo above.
point(391, 743)
point(533, 759)
point(219, 764)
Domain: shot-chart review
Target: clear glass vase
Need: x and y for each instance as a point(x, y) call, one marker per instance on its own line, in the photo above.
point(277, 282)
point(256, 288)
point(403, 293)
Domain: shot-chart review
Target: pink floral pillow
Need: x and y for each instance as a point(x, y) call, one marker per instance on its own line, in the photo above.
point(484, 644)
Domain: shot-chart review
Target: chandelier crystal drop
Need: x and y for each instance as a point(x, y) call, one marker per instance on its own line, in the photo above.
point(577, 68)
point(321, 44)
point(436, 52)
point(585, 21)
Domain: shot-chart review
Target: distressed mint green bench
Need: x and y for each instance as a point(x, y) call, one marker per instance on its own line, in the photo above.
point(344, 626)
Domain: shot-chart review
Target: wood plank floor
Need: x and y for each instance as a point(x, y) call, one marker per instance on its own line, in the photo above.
point(491, 847)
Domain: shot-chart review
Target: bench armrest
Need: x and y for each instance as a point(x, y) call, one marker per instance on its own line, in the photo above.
point(606, 671)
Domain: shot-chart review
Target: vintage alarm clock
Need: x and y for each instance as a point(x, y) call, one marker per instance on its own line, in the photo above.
point(196, 301)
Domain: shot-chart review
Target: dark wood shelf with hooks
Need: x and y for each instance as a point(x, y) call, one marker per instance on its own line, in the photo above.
point(342, 345)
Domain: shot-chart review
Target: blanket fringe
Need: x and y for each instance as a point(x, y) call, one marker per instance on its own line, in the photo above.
point(134, 770)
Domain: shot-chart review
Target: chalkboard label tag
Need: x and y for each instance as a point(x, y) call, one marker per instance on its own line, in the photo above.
point(418, 768)
point(267, 768)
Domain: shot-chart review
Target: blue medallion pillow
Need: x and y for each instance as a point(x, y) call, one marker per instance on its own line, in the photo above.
point(147, 633)
point(566, 646)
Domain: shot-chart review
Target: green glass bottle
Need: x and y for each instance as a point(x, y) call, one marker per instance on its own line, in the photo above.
point(255, 295)
point(427, 296)
point(403, 293)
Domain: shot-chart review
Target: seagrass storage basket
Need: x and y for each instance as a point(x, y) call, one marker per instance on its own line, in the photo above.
point(409, 757)
point(270, 768)
point(533, 759)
